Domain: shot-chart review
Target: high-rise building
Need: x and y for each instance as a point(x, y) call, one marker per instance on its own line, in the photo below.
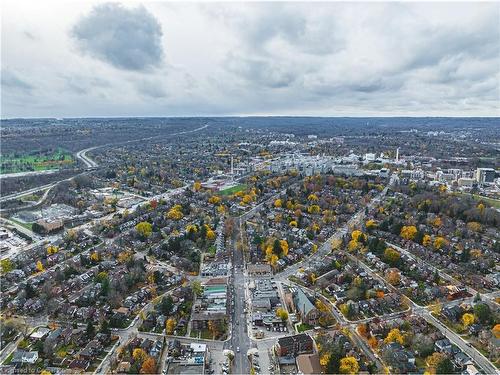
point(485, 175)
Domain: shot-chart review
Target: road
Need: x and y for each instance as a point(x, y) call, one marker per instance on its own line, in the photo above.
point(326, 247)
point(89, 163)
point(472, 352)
point(239, 331)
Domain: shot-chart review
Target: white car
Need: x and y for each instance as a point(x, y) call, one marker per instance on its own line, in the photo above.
point(237, 349)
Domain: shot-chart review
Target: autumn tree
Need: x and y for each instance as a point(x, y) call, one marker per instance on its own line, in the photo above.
point(6, 265)
point(281, 313)
point(139, 355)
point(496, 331)
point(170, 326)
point(148, 366)
point(175, 213)
point(39, 266)
point(394, 335)
point(349, 365)
point(426, 240)
point(392, 256)
point(370, 224)
point(144, 229)
point(439, 242)
point(467, 319)
point(278, 203)
point(408, 232)
point(393, 277)
point(197, 186)
point(214, 199)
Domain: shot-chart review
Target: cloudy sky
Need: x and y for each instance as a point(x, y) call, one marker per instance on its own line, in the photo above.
point(72, 59)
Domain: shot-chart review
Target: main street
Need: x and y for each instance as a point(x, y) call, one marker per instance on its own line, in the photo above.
point(238, 325)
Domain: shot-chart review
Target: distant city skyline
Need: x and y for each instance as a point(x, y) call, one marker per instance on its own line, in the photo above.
point(158, 59)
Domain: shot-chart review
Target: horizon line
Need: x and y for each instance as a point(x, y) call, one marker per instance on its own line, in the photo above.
point(238, 116)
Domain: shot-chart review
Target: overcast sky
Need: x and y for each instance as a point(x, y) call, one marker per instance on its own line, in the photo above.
point(72, 59)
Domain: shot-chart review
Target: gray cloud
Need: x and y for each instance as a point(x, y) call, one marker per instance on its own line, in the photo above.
point(256, 58)
point(151, 89)
point(125, 38)
point(13, 81)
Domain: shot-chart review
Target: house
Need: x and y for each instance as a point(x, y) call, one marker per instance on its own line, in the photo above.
point(308, 364)
point(200, 320)
point(79, 364)
point(461, 361)
point(22, 357)
point(402, 361)
point(40, 333)
point(260, 269)
point(442, 345)
point(294, 345)
point(308, 313)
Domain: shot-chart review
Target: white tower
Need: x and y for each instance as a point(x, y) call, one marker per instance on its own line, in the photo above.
point(232, 168)
point(397, 155)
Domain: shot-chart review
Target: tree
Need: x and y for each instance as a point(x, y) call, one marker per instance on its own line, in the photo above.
point(394, 335)
point(353, 245)
point(439, 242)
point(214, 199)
point(175, 213)
point(433, 361)
point(363, 329)
point(278, 203)
point(246, 199)
point(197, 288)
point(90, 331)
point(349, 365)
point(370, 224)
point(197, 186)
point(482, 312)
point(323, 361)
point(210, 235)
point(373, 342)
point(284, 248)
point(39, 266)
point(474, 226)
point(144, 229)
point(139, 355)
point(392, 256)
point(51, 249)
point(281, 313)
point(170, 325)
point(408, 232)
point(393, 277)
point(6, 265)
point(358, 236)
point(213, 328)
point(445, 367)
point(148, 366)
point(467, 319)
point(314, 209)
point(426, 240)
point(94, 256)
point(496, 331)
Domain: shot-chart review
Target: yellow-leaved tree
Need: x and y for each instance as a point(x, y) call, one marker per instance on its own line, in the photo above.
point(394, 335)
point(349, 365)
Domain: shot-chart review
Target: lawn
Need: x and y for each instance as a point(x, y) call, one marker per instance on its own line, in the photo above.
point(34, 161)
point(28, 226)
point(303, 327)
point(233, 190)
point(495, 203)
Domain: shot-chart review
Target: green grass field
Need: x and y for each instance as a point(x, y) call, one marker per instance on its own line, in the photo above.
point(492, 202)
point(35, 162)
point(233, 190)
